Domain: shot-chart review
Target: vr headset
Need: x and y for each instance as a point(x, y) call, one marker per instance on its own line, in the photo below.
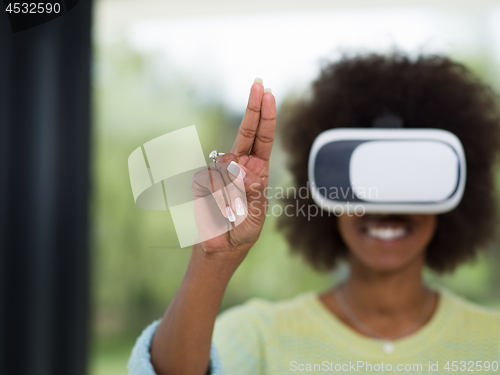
point(387, 169)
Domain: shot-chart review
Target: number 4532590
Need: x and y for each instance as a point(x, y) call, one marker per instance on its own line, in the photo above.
point(471, 366)
point(33, 8)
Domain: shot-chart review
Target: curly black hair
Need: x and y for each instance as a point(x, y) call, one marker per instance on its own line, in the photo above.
point(427, 91)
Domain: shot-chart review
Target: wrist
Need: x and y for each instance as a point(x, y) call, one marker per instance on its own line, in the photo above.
point(220, 257)
point(220, 264)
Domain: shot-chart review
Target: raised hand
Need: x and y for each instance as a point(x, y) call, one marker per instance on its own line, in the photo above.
point(181, 344)
point(239, 178)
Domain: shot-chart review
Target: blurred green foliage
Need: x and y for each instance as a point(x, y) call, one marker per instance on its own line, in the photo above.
point(137, 264)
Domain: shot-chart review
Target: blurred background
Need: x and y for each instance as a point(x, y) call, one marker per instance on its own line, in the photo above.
point(164, 65)
point(73, 241)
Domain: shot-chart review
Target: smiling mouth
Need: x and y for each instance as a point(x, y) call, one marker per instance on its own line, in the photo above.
point(387, 234)
point(386, 228)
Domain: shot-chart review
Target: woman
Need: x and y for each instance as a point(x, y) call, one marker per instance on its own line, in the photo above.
point(383, 317)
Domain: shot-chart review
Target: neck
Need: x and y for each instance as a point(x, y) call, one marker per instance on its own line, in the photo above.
point(394, 293)
point(389, 303)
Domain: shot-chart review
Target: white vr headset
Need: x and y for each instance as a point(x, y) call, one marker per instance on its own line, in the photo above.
point(387, 170)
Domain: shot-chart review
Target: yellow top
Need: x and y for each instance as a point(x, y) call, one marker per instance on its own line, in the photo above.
point(301, 335)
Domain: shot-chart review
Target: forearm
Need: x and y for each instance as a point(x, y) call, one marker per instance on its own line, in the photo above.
point(181, 344)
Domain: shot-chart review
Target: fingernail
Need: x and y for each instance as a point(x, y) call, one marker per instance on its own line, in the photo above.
point(240, 209)
point(257, 80)
point(236, 171)
point(230, 214)
point(268, 89)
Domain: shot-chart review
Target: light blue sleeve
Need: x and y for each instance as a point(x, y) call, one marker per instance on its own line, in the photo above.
point(140, 360)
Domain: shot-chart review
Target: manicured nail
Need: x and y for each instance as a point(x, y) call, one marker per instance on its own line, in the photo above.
point(268, 89)
point(238, 203)
point(230, 214)
point(257, 80)
point(236, 171)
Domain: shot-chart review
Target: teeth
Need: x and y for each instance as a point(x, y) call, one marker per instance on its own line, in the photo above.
point(387, 233)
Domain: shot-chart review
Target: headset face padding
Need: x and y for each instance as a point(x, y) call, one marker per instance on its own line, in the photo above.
point(387, 170)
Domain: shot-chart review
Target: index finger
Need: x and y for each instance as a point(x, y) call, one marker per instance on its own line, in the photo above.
point(248, 127)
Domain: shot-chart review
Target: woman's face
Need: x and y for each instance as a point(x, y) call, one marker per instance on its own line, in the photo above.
point(387, 242)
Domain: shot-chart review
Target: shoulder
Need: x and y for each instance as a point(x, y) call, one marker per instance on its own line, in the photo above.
point(258, 312)
point(470, 314)
point(243, 333)
point(466, 326)
point(467, 307)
